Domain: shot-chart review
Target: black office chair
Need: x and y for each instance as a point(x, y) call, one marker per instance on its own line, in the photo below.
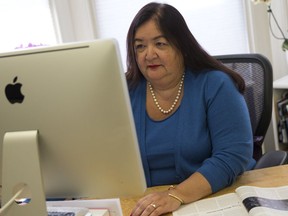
point(272, 158)
point(258, 75)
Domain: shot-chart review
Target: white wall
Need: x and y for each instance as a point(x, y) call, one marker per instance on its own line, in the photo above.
point(261, 39)
point(279, 61)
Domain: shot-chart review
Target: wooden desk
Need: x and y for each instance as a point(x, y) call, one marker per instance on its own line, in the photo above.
point(269, 177)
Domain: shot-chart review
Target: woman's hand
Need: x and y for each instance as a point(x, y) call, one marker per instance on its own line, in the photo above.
point(155, 204)
point(159, 203)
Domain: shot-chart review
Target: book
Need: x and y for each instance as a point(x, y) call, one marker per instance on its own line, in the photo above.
point(247, 200)
point(85, 207)
point(76, 211)
point(282, 107)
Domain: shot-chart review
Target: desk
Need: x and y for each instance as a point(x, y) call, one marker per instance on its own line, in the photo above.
point(268, 177)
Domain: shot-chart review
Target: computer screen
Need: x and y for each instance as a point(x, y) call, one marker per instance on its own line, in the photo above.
point(75, 96)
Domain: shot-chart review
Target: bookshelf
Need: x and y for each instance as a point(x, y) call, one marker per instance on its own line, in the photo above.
point(279, 87)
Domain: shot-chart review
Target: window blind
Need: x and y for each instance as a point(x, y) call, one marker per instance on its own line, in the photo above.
point(218, 25)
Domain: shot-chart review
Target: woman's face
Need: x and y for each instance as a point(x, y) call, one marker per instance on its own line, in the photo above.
point(158, 60)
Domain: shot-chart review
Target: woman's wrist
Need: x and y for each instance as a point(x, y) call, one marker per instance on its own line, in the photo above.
point(173, 194)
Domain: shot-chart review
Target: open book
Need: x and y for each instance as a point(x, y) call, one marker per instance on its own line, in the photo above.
point(247, 200)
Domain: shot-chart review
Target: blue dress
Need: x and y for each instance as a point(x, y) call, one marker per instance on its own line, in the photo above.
point(209, 133)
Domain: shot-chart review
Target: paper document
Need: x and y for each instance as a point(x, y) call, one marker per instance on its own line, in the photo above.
point(247, 200)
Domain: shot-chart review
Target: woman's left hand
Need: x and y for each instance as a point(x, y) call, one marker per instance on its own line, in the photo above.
point(155, 204)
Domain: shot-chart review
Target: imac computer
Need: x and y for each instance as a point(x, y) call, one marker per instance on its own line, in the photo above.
point(65, 110)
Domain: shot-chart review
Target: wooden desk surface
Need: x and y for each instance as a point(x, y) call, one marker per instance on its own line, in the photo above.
point(268, 177)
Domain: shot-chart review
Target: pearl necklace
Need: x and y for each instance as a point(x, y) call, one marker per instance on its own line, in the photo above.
point(175, 101)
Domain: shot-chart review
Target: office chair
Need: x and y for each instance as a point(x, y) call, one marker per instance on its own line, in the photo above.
point(257, 72)
point(272, 158)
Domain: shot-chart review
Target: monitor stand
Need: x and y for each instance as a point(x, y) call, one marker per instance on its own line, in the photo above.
point(21, 170)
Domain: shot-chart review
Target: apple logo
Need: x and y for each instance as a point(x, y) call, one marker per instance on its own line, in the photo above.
point(13, 92)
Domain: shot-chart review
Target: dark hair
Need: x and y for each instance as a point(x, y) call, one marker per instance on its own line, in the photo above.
point(172, 24)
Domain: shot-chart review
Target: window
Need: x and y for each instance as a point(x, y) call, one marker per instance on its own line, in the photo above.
point(25, 24)
point(218, 25)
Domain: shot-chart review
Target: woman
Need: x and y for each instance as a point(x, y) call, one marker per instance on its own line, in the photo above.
point(191, 118)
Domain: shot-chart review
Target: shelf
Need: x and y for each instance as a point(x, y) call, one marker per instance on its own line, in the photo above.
point(279, 87)
point(281, 83)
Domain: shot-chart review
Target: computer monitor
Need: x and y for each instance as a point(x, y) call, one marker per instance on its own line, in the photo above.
point(75, 96)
